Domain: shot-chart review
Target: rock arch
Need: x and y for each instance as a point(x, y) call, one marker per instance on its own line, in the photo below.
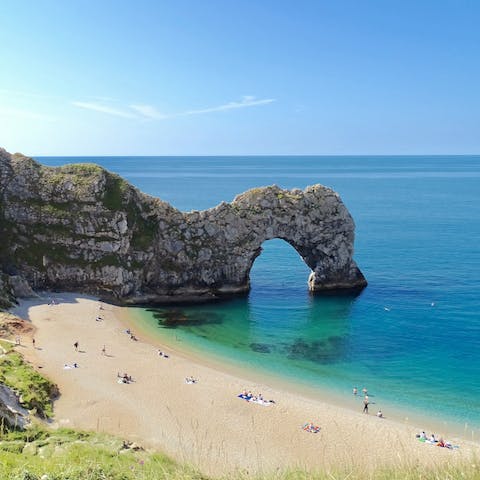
point(314, 222)
point(80, 227)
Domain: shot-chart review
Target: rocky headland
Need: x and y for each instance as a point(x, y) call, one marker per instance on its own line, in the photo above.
point(82, 228)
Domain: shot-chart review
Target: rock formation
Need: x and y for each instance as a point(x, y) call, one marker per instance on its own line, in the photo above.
point(82, 228)
point(12, 413)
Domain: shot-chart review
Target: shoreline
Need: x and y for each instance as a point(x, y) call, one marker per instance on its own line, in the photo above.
point(203, 424)
point(415, 418)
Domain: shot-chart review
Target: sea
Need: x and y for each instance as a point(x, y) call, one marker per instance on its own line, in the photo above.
point(412, 337)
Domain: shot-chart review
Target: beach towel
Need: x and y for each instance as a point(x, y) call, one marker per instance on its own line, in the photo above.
point(265, 403)
point(244, 397)
point(66, 366)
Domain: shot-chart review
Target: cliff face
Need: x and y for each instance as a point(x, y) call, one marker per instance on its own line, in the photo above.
point(80, 227)
point(12, 414)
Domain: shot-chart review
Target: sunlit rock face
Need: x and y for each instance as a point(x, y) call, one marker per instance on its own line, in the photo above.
point(82, 228)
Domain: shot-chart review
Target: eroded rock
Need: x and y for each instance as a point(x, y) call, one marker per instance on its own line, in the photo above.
point(82, 228)
point(11, 411)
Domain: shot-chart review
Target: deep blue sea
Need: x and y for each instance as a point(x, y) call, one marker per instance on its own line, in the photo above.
point(412, 337)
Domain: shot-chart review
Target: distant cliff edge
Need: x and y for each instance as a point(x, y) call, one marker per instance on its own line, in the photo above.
point(82, 228)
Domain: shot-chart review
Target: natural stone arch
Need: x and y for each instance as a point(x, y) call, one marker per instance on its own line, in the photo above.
point(82, 228)
point(314, 222)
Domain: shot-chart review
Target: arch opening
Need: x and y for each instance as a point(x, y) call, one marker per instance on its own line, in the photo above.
point(278, 269)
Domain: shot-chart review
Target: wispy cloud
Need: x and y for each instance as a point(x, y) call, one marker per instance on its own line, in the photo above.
point(97, 107)
point(24, 114)
point(149, 112)
point(246, 101)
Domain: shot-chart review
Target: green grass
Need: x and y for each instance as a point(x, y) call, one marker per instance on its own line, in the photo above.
point(4, 345)
point(35, 390)
point(115, 189)
point(70, 455)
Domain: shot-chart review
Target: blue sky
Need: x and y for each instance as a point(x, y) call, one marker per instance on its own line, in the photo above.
point(240, 77)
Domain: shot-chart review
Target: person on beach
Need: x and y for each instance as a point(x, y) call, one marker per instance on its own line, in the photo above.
point(33, 342)
point(104, 350)
point(364, 391)
point(355, 390)
point(365, 405)
point(311, 428)
point(76, 346)
point(380, 414)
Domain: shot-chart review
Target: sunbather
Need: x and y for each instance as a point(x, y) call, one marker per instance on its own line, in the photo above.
point(311, 428)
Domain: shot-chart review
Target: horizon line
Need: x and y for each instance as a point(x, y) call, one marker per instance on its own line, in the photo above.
point(272, 155)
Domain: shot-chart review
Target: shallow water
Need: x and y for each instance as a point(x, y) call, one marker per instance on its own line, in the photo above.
point(412, 337)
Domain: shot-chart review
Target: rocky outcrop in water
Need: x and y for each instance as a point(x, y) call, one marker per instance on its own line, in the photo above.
point(82, 228)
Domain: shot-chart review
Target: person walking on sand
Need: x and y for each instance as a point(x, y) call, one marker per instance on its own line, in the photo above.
point(104, 350)
point(33, 342)
point(76, 346)
point(365, 405)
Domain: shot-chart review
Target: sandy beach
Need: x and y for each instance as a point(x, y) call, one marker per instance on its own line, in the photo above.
point(204, 424)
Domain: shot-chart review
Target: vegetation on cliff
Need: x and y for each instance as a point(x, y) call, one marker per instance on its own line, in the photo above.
point(82, 228)
point(36, 393)
point(40, 454)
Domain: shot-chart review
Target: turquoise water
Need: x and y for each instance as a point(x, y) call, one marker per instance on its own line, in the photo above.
point(412, 337)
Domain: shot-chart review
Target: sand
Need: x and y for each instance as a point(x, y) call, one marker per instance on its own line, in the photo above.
point(203, 424)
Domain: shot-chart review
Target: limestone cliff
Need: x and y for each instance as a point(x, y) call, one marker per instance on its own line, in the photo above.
point(12, 413)
point(80, 227)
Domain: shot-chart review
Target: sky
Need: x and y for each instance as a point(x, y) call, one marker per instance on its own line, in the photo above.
point(231, 77)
